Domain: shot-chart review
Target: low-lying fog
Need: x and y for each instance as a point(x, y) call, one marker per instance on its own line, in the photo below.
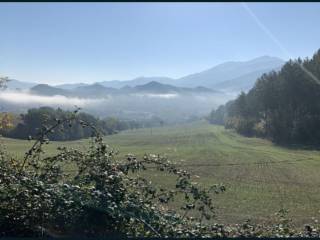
point(172, 107)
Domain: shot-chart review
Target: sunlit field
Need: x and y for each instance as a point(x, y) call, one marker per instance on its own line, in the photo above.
point(260, 178)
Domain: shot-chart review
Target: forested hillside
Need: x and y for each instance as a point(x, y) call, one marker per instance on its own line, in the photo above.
point(283, 106)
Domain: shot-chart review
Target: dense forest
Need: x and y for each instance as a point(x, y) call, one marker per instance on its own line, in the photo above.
point(34, 120)
point(283, 106)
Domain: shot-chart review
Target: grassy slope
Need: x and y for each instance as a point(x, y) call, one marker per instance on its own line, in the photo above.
point(260, 177)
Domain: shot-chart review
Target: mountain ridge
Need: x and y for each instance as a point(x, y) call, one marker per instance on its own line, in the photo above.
point(230, 70)
point(99, 91)
point(227, 76)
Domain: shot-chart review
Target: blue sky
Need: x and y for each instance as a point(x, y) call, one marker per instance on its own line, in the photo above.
point(89, 42)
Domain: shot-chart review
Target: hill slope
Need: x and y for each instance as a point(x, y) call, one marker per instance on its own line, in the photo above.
point(230, 72)
point(16, 84)
point(93, 91)
point(47, 90)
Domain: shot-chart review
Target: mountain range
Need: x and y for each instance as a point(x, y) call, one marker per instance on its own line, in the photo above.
point(99, 91)
point(228, 77)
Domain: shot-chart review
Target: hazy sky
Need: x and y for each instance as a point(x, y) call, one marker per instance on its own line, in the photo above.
point(89, 42)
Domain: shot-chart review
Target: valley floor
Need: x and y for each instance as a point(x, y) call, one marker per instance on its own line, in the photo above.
point(260, 178)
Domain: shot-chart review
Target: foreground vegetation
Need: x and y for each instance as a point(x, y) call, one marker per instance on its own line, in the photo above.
point(98, 196)
point(260, 178)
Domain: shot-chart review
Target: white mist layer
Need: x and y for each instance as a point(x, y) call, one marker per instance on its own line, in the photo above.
point(24, 98)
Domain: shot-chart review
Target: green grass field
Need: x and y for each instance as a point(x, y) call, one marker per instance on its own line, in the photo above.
point(261, 178)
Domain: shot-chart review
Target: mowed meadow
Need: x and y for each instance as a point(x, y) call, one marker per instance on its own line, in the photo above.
point(260, 177)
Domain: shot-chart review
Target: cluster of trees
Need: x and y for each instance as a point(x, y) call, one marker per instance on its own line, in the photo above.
point(34, 120)
point(283, 106)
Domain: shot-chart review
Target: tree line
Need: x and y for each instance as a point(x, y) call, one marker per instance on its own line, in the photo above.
point(31, 124)
point(282, 106)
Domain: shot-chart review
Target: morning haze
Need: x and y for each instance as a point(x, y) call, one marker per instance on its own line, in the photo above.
point(159, 120)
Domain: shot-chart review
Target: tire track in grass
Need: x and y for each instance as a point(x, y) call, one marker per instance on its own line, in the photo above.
point(265, 183)
point(242, 180)
point(276, 180)
point(262, 185)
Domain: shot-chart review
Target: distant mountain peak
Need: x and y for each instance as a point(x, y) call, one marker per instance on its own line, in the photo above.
point(47, 90)
point(155, 86)
point(70, 86)
point(266, 58)
point(43, 86)
point(213, 77)
point(153, 83)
